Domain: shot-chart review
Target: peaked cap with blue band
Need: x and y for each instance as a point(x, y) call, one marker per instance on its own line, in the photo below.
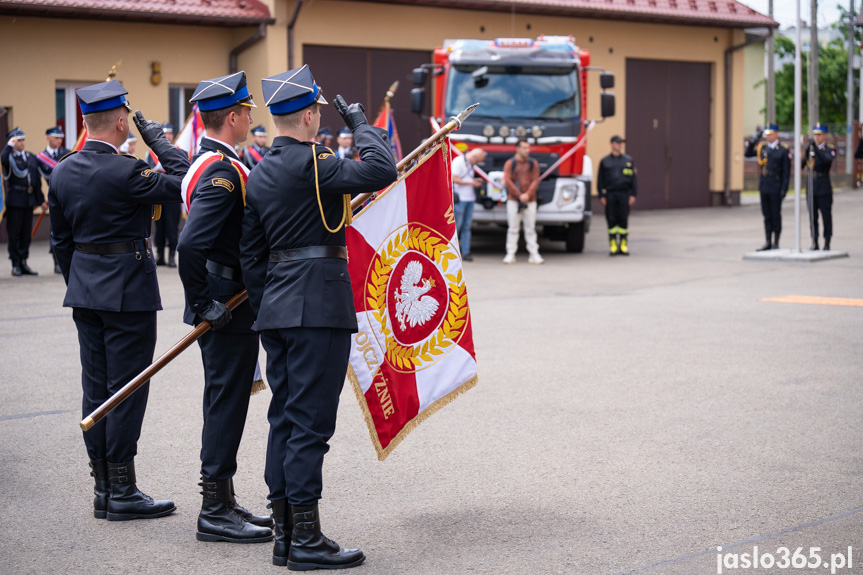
point(167, 127)
point(259, 131)
point(55, 132)
point(771, 128)
point(291, 91)
point(16, 133)
point(819, 128)
point(223, 92)
point(101, 97)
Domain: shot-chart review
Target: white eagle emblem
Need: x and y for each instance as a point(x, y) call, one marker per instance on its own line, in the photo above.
point(411, 305)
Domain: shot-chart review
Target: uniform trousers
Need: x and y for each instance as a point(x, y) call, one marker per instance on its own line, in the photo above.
point(514, 219)
point(617, 211)
point(115, 347)
point(463, 219)
point(167, 226)
point(306, 370)
point(823, 204)
point(19, 226)
point(229, 369)
point(771, 207)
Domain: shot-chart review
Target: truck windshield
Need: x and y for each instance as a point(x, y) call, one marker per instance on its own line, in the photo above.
point(548, 93)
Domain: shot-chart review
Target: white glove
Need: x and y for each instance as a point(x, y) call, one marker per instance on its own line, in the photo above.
point(11, 142)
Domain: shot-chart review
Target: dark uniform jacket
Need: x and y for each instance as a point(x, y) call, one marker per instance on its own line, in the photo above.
point(23, 185)
point(775, 166)
point(821, 164)
point(45, 168)
point(248, 156)
point(282, 212)
point(616, 174)
point(98, 196)
point(212, 232)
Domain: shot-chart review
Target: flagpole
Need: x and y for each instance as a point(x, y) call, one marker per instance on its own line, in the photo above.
point(390, 93)
point(451, 126)
point(797, 131)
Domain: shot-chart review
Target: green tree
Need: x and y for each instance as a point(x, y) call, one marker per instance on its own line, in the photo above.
point(832, 69)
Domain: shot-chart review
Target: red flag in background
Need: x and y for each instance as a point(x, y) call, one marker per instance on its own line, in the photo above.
point(386, 121)
point(190, 136)
point(414, 350)
point(82, 139)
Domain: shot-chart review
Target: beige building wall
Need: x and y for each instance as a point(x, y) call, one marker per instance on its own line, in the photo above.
point(754, 112)
point(47, 51)
point(334, 22)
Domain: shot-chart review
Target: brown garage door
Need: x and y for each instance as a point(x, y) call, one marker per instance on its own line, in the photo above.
point(363, 75)
point(668, 132)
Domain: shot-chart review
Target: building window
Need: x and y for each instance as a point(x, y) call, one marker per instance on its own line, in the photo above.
point(68, 114)
point(179, 106)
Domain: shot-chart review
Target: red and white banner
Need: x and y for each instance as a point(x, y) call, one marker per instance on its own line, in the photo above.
point(190, 136)
point(414, 350)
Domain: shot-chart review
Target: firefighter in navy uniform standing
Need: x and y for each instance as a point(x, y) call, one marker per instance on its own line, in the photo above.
point(253, 154)
point(210, 271)
point(48, 158)
point(293, 257)
point(168, 224)
point(774, 158)
point(101, 210)
point(23, 193)
point(819, 156)
point(617, 186)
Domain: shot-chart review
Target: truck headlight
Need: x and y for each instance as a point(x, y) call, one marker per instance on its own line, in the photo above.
point(488, 130)
point(503, 132)
point(536, 131)
point(568, 194)
point(521, 131)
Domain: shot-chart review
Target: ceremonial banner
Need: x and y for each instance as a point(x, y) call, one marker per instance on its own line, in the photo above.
point(190, 136)
point(414, 350)
point(386, 121)
point(82, 139)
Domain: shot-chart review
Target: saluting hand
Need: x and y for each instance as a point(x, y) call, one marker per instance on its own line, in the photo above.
point(354, 115)
point(150, 131)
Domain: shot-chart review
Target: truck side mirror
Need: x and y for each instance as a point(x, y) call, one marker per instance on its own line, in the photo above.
point(420, 76)
point(606, 80)
point(418, 100)
point(607, 104)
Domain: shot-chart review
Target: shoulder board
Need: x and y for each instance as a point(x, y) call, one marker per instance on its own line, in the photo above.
point(67, 155)
point(130, 156)
point(829, 147)
point(781, 145)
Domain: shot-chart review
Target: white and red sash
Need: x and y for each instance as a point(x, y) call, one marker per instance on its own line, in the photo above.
point(255, 154)
point(197, 169)
point(47, 160)
point(157, 165)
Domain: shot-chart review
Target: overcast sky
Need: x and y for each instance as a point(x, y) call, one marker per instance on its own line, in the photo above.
point(785, 11)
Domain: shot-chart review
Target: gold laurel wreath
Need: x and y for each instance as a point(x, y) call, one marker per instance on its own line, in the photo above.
point(411, 357)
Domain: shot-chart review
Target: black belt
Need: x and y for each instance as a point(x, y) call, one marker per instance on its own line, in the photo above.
point(821, 174)
point(224, 271)
point(309, 253)
point(117, 248)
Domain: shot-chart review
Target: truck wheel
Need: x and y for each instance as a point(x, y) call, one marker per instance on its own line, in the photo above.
point(575, 238)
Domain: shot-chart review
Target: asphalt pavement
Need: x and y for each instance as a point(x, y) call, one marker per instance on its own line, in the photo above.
point(632, 415)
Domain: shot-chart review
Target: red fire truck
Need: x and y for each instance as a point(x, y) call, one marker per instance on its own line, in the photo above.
point(529, 88)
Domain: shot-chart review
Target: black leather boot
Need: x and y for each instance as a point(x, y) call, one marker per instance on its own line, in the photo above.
point(126, 501)
point(218, 521)
point(282, 530)
point(776, 241)
point(25, 269)
point(826, 244)
point(172, 263)
point(814, 246)
point(260, 520)
point(16, 270)
point(101, 489)
point(160, 256)
point(311, 549)
point(766, 245)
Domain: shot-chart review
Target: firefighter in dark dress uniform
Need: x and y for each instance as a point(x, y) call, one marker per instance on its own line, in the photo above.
point(294, 262)
point(47, 160)
point(210, 271)
point(617, 186)
point(168, 224)
point(101, 210)
point(253, 154)
point(819, 158)
point(23, 193)
point(774, 158)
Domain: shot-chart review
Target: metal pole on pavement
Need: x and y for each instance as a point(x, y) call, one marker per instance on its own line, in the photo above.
point(797, 97)
point(849, 107)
